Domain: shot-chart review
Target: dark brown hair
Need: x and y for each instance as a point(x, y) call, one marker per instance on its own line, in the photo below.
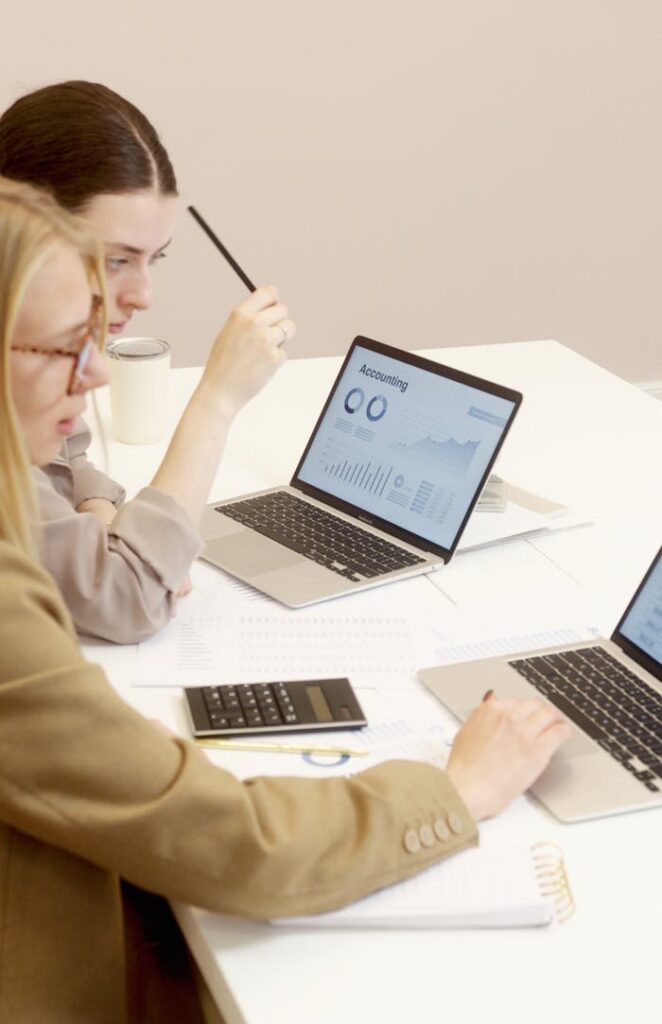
point(79, 140)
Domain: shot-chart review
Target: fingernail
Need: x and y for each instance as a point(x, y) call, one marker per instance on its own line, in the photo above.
point(488, 694)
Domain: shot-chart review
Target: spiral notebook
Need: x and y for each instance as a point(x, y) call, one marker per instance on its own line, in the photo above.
point(513, 887)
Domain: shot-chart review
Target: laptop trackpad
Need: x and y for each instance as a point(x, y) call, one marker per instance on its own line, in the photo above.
point(251, 554)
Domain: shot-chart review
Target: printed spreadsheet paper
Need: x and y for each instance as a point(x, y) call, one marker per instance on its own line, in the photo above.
point(227, 632)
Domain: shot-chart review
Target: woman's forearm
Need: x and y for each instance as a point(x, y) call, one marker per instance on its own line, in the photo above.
point(191, 461)
point(245, 355)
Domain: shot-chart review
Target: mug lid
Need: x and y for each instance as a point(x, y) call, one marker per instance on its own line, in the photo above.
point(137, 348)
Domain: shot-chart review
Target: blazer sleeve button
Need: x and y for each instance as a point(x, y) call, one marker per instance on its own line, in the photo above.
point(411, 841)
point(456, 824)
point(426, 836)
point(441, 830)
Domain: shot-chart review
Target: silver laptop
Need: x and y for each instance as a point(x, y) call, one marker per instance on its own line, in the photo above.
point(384, 488)
point(612, 693)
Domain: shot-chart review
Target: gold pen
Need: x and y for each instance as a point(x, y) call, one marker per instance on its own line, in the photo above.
point(277, 748)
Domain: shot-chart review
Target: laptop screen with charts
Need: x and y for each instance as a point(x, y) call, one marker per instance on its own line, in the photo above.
point(611, 692)
point(384, 488)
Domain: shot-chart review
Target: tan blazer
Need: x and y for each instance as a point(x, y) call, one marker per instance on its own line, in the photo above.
point(91, 793)
point(119, 583)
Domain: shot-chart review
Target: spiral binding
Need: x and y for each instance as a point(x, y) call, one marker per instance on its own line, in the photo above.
point(553, 879)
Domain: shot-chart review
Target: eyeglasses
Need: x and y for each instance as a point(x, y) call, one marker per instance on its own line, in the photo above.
point(82, 356)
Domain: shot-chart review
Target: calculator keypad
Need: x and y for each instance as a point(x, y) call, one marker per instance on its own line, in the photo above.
point(248, 706)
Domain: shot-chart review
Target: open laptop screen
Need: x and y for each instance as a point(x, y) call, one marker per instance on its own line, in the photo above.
point(407, 441)
point(641, 625)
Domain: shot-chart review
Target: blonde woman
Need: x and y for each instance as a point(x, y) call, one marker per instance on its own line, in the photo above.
point(101, 814)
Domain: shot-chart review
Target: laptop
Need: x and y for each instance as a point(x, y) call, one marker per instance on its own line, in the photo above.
point(612, 693)
point(384, 488)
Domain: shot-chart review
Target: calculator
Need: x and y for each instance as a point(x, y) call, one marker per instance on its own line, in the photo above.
point(301, 706)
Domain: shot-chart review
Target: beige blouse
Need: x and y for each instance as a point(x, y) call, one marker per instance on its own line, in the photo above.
point(91, 794)
point(119, 582)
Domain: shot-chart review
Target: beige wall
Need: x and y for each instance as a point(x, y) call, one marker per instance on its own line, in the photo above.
point(427, 173)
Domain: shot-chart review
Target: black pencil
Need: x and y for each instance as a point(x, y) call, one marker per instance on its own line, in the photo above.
point(219, 245)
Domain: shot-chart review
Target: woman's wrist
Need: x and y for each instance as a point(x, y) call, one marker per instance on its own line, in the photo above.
point(215, 404)
point(469, 792)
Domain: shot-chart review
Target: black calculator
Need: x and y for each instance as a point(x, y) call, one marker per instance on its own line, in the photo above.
point(301, 706)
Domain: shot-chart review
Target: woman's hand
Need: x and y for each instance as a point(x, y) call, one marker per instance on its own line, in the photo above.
point(182, 590)
point(248, 350)
point(101, 508)
point(501, 750)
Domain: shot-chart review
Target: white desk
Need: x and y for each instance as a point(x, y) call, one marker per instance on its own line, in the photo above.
point(584, 437)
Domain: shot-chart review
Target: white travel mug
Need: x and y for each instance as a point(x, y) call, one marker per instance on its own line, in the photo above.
point(139, 388)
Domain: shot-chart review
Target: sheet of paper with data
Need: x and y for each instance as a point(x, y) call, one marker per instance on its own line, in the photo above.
point(226, 632)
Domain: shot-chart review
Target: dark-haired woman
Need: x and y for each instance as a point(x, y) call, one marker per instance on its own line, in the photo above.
point(121, 566)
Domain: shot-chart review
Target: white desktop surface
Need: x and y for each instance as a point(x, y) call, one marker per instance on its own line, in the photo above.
point(583, 437)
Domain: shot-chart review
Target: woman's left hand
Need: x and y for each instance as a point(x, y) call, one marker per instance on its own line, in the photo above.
point(101, 508)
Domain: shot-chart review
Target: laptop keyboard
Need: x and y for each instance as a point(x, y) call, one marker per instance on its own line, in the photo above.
point(322, 537)
point(606, 701)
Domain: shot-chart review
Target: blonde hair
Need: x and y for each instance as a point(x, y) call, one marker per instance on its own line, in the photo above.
point(32, 228)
